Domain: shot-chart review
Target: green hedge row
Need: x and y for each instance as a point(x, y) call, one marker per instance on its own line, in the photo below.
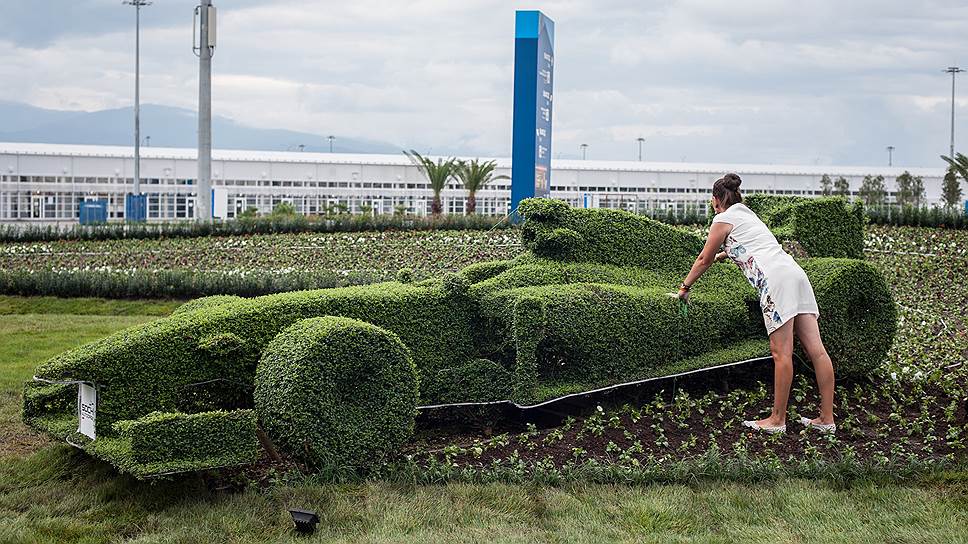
point(911, 216)
point(258, 225)
point(824, 227)
point(176, 284)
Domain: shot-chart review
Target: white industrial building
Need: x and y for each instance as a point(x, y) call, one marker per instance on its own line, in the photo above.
point(44, 183)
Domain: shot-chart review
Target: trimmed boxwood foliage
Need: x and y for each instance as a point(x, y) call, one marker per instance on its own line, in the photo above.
point(586, 305)
point(159, 366)
point(824, 227)
point(160, 442)
point(858, 317)
point(555, 230)
point(206, 302)
point(479, 380)
point(595, 332)
point(337, 392)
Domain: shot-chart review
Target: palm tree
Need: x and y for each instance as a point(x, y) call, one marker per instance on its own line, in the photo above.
point(437, 173)
point(474, 176)
point(959, 163)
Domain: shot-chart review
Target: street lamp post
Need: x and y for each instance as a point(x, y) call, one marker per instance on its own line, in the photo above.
point(584, 147)
point(890, 155)
point(204, 49)
point(641, 141)
point(953, 70)
point(331, 138)
point(138, 4)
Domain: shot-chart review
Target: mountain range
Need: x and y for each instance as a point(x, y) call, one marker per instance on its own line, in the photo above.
point(161, 126)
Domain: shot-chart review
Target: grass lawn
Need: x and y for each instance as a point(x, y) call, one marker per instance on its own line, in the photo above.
point(52, 493)
point(28, 339)
point(59, 495)
point(86, 306)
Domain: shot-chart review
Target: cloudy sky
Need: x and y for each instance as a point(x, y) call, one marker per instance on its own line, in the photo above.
point(770, 81)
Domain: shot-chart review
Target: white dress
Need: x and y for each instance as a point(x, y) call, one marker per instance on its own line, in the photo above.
point(783, 286)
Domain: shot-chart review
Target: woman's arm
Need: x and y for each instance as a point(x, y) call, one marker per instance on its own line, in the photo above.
point(708, 255)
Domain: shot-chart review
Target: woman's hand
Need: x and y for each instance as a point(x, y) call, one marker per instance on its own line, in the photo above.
point(683, 295)
point(721, 256)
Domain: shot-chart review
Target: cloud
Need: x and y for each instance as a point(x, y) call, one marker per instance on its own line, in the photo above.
point(741, 80)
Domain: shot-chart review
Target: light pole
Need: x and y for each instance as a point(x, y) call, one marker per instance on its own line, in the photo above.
point(583, 147)
point(204, 49)
point(138, 4)
point(641, 141)
point(953, 70)
point(890, 155)
point(331, 138)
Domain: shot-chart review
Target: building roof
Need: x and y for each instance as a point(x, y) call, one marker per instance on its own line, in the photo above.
point(77, 150)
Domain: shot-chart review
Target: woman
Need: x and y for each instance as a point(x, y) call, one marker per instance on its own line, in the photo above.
point(786, 299)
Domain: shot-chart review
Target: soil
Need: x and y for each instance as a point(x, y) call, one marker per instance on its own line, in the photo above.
point(871, 434)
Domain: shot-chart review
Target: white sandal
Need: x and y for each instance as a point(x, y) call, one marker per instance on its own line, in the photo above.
point(771, 430)
point(822, 427)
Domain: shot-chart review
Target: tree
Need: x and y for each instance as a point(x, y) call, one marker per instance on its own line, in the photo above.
point(437, 173)
point(475, 176)
point(250, 213)
point(910, 190)
point(872, 191)
point(951, 189)
point(283, 209)
point(842, 187)
point(959, 164)
point(917, 191)
point(826, 186)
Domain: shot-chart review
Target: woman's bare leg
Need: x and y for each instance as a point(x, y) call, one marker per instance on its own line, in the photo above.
point(781, 346)
point(808, 332)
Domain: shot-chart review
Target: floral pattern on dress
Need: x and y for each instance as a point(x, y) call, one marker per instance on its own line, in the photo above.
point(738, 254)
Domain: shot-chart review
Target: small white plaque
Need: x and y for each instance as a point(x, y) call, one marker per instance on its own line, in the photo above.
point(86, 409)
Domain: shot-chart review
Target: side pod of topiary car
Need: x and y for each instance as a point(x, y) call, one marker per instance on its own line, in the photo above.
point(333, 376)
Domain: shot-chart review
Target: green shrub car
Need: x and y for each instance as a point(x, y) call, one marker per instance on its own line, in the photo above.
point(333, 376)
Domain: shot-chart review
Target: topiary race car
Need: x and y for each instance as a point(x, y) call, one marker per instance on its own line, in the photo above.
point(333, 376)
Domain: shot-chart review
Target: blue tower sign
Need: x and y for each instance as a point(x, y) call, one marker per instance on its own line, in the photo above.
point(534, 66)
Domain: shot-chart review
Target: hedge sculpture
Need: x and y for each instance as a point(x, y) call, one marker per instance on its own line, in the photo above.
point(584, 305)
point(341, 391)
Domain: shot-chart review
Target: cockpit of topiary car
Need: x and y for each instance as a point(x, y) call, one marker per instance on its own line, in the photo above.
point(333, 376)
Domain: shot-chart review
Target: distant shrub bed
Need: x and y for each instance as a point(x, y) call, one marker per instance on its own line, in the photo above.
point(431, 251)
point(183, 284)
point(912, 216)
point(284, 224)
point(906, 215)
